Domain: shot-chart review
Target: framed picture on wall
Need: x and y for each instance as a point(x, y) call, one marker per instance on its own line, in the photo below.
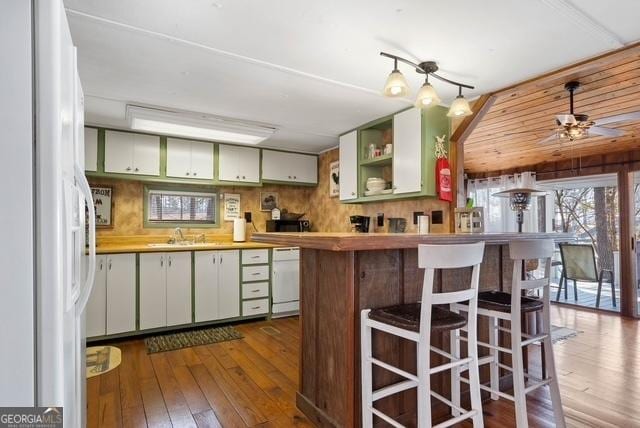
point(268, 201)
point(102, 200)
point(334, 179)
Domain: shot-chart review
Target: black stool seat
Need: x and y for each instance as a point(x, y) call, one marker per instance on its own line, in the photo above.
point(501, 301)
point(408, 317)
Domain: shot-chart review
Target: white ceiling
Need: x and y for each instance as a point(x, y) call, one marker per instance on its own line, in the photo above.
point(312, 68)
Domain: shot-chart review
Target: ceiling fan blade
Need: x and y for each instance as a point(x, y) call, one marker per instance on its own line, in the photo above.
point(566, 119)
point(618, 118)
point(549, 139)
point(607, 132)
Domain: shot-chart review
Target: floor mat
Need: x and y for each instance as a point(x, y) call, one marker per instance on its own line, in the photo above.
point(169, 342)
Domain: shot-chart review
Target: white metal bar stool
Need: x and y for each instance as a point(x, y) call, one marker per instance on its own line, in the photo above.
point(416, 322)
point(510, 307)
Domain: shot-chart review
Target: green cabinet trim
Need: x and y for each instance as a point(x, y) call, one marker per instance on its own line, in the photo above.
point(434, 123)
point(193, 324)
point(162, 178)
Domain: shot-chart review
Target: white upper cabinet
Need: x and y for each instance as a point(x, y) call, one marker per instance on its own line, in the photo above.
point(290, 167)
point(129, 153)
point(407, 152)
point(90, 149)
point(189, 159)
point(241, 164)
point(349, 166)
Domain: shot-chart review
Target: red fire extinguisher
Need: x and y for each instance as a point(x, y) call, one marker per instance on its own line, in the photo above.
point(443, 172)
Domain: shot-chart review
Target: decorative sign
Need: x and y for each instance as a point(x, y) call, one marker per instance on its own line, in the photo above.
point(334, 179)
point(102, 197)
point(231, 206)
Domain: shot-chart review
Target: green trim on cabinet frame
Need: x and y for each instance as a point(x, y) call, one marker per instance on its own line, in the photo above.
point(193, 287)
point(162, 178)
point(434, 122)
point(137, 291)
point(180, 187)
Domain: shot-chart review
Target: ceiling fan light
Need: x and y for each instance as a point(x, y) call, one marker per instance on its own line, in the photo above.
point(396, 85)
point(427, 96)
point(459, 107)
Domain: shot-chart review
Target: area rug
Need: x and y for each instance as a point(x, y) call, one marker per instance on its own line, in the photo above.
point(559, 334)
point(169, 342)
point(101, 359)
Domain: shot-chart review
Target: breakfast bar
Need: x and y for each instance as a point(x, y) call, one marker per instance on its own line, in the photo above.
point(343, 273)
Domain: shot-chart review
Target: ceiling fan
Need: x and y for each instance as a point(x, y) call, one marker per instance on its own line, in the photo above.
point(574, 126)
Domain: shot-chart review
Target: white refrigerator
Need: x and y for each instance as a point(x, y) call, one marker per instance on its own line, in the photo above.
point(46, 266)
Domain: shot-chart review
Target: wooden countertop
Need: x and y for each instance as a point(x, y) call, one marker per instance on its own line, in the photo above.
point(154, 244)
point(379, 241)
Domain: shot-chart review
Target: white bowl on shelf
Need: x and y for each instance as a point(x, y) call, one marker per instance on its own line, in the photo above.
point(375, 184)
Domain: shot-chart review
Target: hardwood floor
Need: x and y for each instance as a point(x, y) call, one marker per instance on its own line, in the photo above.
point(252, 381)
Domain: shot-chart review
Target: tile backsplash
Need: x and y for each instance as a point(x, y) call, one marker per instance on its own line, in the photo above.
point(326, 213)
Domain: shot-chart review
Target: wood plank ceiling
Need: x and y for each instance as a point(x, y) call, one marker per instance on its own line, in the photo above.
point(508, 134)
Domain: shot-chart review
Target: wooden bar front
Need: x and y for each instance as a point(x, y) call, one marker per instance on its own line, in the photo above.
point(337, 282)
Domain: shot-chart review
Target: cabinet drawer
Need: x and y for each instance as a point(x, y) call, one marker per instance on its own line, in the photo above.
point(255, 273)
point(255, 289)
point(255, 307)
point(255, 257)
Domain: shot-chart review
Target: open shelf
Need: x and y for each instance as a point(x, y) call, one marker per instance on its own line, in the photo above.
point(378, 161)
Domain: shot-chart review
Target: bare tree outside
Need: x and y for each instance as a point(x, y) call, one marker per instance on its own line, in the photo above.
point(591, 213)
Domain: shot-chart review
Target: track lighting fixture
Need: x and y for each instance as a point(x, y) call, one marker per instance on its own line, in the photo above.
point(396, 86)
point(460, 106)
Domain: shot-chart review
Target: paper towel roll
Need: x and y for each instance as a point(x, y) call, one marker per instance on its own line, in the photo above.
point(239, 229)
point(423, 224)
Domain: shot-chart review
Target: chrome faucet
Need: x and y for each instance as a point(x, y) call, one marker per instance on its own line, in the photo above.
point(177, 232)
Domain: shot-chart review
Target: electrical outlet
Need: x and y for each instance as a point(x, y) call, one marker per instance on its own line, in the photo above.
point(436, 217)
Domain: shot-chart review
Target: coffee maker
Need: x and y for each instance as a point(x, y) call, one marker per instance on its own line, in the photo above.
point(359, 223)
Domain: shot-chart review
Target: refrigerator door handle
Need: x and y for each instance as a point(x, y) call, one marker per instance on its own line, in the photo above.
point(85, 292)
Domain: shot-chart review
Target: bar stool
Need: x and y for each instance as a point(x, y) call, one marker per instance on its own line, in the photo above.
point(416, 322)
point(497, 305)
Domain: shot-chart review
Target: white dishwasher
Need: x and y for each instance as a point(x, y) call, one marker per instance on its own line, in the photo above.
point(285, 282)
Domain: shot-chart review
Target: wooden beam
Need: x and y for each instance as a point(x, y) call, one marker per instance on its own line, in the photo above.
point(456, 150)
point(480, 107)
point(565, 73)
point(628, 276)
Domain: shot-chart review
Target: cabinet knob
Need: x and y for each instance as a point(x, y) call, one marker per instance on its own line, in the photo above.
point(237, 177)
point(214, 259)
point(169, 261)
point(136, 170)
point(353, 193)
point(161, 261)
point(295, 178)
point(195, 173)
point(243, 177)
point(128, 168)
point(109, 264)
point(255, 307)
point(289, 177)
point(100, 264)
point(187, 173)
